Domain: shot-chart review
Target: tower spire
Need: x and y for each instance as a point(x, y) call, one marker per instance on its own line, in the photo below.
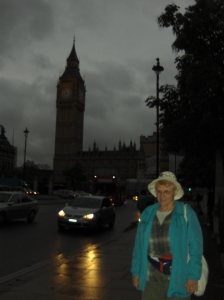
point(73, 56)
point(72, 68)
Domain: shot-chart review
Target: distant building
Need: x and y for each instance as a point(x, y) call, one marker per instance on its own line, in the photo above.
point(8, 153)
point(148, 147)
point(70, 105)
point(124, 160)
point(128, 162)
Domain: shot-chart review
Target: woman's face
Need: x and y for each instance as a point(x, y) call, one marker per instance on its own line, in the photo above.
point(165, 195)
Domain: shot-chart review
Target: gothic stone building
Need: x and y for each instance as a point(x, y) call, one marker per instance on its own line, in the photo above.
point(148, 149)
point(70, 105)
point(126, 160)
point(8, 153)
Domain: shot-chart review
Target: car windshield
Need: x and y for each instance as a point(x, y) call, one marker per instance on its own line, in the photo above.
point(4, 197)
point(85, 202)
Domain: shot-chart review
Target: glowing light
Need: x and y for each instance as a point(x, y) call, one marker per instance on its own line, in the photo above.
point(61, 213)
point(89, 216)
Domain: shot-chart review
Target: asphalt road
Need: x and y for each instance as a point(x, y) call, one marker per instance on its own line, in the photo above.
point(25, 245)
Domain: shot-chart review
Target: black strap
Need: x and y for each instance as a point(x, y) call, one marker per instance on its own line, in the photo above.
point(167, 265)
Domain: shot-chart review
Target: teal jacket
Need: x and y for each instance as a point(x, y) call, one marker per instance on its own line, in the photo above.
point(183, 236)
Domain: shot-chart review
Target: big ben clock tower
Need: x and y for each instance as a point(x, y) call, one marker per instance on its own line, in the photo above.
point(70, 105)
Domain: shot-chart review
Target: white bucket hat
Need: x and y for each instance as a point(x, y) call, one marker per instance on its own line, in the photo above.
point(170, 177)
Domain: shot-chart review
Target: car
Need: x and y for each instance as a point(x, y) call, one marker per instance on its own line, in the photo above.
point(5, 188)
point(19, 189)
point(64, 194)
point(30, 192)
point(135, 198)
point(80, 193)
point(87, 212)
point(26, 190)
point(15, 205)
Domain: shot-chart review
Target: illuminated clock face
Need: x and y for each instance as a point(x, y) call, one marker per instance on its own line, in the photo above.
point(66, 93)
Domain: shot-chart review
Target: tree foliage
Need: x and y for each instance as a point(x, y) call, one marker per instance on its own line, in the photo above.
point(192, 113)
point(32, 171)
point(75, 174)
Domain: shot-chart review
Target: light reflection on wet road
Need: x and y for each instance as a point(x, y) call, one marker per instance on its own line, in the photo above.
point(24, 245)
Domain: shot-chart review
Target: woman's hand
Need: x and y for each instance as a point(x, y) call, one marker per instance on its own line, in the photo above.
point(135, 280)
point(191, 286)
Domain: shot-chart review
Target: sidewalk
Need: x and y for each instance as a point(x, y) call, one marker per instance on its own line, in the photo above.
point(99, 272)
point(215, 287)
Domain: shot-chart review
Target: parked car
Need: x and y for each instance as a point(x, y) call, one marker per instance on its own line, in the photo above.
point(5, 188)
point(19, 189)
point(14, 205)
point(135, 198)
point(30, 192)
point(64, 194)
point(87, 212)
point(26, 190)
point(80, 193)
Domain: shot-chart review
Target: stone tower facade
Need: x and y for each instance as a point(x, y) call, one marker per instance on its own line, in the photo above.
point(8, 153)
point(70, 104)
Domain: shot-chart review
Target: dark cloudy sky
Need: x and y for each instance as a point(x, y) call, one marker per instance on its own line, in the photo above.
point(117, 42)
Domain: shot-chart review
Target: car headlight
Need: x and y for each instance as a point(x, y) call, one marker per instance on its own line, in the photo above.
point(61, 213)
point(89, 216)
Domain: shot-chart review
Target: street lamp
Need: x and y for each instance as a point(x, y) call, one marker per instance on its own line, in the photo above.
point(26, 135)
point(157, 69)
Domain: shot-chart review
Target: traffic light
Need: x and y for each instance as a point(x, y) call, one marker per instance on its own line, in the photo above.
point(189, 189)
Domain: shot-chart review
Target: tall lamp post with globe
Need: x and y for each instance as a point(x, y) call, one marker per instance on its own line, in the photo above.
point(157, 69)
point(24, 165)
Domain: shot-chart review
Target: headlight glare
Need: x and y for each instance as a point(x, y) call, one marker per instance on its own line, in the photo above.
point(61, 213)
point(89, 216)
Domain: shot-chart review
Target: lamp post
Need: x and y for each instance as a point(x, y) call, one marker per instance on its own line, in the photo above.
point(26, 135)
point(157, 69)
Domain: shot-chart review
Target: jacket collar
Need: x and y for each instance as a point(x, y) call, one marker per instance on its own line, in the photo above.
point(152, 209)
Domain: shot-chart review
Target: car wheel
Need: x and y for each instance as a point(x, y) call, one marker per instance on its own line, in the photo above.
point(2, 218)
point(111, 224)
point(31, 216)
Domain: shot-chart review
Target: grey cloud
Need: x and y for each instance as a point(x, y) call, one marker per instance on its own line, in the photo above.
point(41, 61)
point(117, 43)
point(21, 23)
point(29, 105)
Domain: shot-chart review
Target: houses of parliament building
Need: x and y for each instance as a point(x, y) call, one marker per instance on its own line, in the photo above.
point(126, 160)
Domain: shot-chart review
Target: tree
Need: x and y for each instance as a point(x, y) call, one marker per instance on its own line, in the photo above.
point(192, 112)
point(75, 174)
point(44, 166)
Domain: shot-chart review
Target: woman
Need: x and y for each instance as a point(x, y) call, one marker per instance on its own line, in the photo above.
point(160, 265)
